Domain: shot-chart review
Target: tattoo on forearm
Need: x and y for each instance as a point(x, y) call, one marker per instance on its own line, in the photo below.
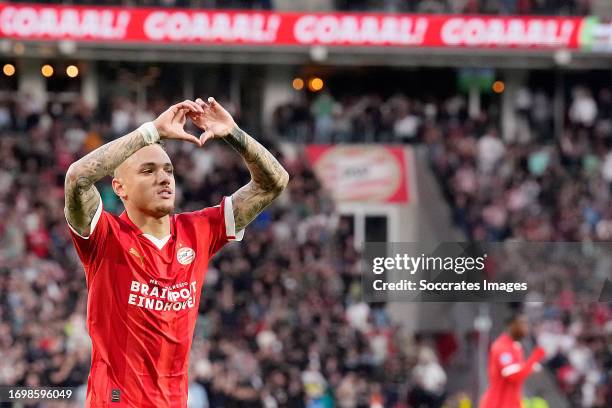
point(269, 178)
point(102, 161)
point(265, 170)
point(81, 195)
point(238, 140)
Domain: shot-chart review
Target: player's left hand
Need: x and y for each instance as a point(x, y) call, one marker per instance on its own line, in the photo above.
point(215, 121)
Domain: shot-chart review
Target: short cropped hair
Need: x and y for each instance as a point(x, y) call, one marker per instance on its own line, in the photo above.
point(516, 311)
point(160, 142)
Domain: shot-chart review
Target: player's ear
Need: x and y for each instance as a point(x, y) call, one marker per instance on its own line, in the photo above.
point(118, 188)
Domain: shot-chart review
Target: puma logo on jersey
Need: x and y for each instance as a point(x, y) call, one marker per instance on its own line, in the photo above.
point(134, 252)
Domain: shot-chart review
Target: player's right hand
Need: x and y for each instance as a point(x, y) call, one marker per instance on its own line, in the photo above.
point(171, 123)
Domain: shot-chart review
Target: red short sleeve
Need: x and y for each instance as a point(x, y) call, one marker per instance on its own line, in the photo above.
point(91, 247)
point(222, 227)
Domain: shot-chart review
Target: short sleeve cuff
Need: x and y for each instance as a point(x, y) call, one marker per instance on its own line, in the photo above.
point(230, 223)
point(94, 221)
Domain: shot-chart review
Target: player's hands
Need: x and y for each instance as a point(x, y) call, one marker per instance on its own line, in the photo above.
point(171, 123)
point(215, 121)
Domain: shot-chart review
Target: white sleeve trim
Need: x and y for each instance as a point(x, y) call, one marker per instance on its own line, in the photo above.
point(511, 369)
point(94, 221)
point(230, 224)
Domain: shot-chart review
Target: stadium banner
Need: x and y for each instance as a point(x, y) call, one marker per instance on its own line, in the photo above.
point(361, 173)
point(596, 34)
point(36, 22)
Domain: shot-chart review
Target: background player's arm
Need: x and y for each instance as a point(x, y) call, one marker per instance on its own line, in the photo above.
point(82, 197)
point(519, 371)
point(268, 177)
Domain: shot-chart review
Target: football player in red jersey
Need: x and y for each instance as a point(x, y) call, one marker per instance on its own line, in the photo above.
point(145, 268)
point(508, 369)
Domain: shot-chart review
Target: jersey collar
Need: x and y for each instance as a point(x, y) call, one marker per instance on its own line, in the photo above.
point(124, 216)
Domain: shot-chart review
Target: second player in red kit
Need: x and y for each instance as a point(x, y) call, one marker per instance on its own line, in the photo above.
point(508, 369)
point(145, 268)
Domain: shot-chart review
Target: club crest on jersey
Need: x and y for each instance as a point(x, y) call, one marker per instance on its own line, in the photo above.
point(505, 358)
point(185, 255)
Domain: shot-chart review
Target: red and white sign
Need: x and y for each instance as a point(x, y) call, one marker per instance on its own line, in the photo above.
point(176, 26)
point(364, 173)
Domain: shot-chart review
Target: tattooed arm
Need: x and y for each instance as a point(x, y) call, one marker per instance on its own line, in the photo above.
point(268, 177)
point(82, 197)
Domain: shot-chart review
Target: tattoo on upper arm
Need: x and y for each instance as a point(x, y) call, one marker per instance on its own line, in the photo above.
point(248, 202)
point(268, 178)
point(81, 205)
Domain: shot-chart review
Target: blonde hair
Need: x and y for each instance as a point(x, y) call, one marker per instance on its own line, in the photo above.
point(161, 143)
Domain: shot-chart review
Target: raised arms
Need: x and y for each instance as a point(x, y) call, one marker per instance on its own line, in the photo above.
point(268, 177)
point(82, 197)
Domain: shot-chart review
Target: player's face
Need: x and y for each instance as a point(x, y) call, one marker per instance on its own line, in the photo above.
point(520, 327)
point(147, 181)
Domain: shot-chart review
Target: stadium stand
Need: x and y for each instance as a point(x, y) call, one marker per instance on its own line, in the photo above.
point(537, 187)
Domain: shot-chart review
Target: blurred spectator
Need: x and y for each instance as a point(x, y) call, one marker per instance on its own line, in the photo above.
point(583, 110)
point(430, 380)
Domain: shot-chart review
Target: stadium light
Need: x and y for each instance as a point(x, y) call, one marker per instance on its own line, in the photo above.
point(72, 71)
point(46, 70)
point(8, 69)
point(315, 84)
point(298, 84)
point(499, 87)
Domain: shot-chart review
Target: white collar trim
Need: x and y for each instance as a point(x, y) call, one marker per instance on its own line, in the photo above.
point(159, 243)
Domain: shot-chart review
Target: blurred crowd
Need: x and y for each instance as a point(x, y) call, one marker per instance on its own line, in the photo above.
point(536, 185)
point(577, 336)
point(565, 283)
point(542, 7)
point(281, 320)
point(531, 185)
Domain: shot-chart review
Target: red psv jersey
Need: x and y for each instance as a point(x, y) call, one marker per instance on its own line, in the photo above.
point(143, 303)
point(508, 370)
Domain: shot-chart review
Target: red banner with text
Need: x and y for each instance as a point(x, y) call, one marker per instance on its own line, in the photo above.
point(363, 173)
point(232, 27)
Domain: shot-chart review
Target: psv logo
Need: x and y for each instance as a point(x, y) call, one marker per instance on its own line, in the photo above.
point(185, 256)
